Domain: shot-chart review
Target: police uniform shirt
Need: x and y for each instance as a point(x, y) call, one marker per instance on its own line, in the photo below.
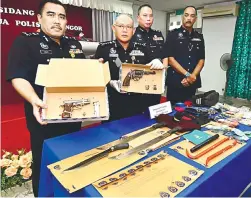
point(127, 104)
point(112, 50)
point(31, 49)
point(187, 49)
point(153, 39)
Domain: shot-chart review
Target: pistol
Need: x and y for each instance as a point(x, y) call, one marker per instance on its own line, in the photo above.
point(70, 105)
point(136, 75)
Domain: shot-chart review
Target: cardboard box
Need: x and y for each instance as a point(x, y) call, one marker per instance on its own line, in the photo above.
point(140, 78)
point(68, 83)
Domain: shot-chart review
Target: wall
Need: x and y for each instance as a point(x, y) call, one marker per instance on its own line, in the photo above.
point(176, 21)
point(218, 35)
point(159, 19)
point(77, 17)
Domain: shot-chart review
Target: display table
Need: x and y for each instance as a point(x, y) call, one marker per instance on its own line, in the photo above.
point(228, 178)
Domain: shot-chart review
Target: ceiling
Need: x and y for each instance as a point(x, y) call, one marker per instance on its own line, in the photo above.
point(171, 5)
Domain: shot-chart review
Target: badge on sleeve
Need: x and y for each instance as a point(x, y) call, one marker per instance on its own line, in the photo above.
point(113, 53)
point(180, 35)
point(44, 46)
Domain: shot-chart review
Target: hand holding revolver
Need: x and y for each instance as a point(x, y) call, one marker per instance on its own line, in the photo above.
point(156, 64)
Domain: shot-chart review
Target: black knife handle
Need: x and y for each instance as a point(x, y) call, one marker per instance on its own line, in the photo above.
point(206, 142)
point(159, 125)
point(170, 132)
point(119, 147)
point(174, 130)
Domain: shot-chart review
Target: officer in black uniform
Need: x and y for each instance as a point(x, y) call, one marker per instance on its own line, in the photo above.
point(29, 50)
point(153, 38)
point(185, 50)
point(124, 50)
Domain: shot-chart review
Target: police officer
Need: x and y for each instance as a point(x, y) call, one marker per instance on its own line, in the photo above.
point(29, 50)
point(153, 38)
point(186, 54)
point(124, 50)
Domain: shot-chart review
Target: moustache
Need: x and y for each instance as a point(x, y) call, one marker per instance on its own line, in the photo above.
point(56, 27)
point(189, 22)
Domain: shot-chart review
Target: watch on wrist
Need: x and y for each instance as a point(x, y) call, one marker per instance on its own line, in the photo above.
point(187, 74)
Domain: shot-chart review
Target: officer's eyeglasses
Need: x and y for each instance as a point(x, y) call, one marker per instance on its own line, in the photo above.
point(147, 16)
point(127, 27)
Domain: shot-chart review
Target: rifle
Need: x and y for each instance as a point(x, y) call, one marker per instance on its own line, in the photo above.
point(70, 105)
point(136, 75)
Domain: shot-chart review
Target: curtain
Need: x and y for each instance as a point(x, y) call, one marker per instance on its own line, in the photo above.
point(239, 74)
point(102, 22)
point(102, 25)
point(107, 5)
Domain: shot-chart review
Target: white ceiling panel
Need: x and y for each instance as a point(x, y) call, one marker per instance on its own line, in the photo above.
point(171, 5)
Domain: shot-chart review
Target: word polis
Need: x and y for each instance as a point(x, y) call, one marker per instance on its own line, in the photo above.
point(13, 11)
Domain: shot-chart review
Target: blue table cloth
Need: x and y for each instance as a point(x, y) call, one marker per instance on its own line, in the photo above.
point(227, 178)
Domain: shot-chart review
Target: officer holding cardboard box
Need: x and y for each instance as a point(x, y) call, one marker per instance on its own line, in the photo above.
point(29, 50)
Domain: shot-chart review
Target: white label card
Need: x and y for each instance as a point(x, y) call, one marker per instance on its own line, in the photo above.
point(163, 108)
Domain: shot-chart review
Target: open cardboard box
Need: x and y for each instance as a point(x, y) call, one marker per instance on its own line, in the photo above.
point(74, 80)
point(151, 82)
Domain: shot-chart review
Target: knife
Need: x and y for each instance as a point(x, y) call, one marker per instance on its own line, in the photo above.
point(125, 139)
point(98, 156)
point(145, 146)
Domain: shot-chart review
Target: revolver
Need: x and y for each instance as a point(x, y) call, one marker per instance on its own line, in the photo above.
point(70, 105)
point(136, 75)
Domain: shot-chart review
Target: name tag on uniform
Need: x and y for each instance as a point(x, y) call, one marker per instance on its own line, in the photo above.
point(163, 108)
point(113, 55)
point(45, 51)
point(157, 38)
point(196, 39)
point(136, 53)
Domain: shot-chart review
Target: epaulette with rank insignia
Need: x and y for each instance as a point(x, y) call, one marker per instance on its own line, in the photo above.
point(174, 30)
point(30, 34)
point(106, 43)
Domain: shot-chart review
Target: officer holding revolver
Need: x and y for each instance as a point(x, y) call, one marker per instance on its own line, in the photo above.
point(29, 50)
point(124, 50)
